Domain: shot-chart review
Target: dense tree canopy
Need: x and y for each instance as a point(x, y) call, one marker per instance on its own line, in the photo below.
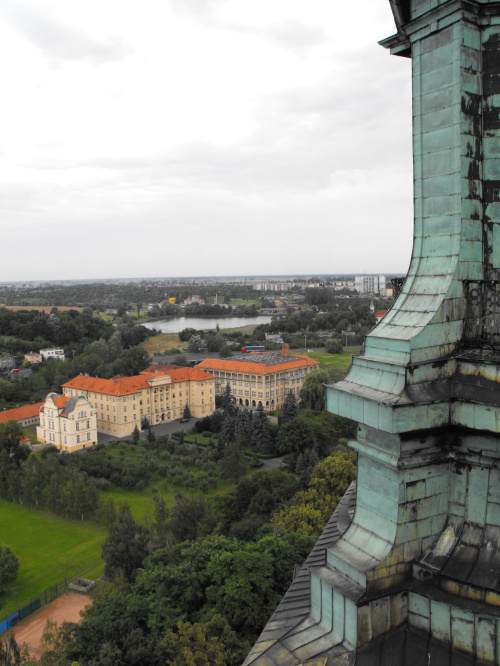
point(312, 508)
point(211, 643)
point(9, 566)
point(126, 546)
point(312, 394)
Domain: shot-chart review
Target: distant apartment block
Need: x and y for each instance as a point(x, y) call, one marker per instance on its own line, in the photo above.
point(160, 394)
point(7, 362)
point(273, 286)
point(68, 423)
point(260, 378)
point(47, 354)
point(370, 284)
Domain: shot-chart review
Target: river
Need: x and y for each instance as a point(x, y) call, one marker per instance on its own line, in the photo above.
point(176, 324)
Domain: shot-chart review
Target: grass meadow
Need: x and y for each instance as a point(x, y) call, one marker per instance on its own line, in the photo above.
point(158, 343)
point(48, 548)
point(338, 363)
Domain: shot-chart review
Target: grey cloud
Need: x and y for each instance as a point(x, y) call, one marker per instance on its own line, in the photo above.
point(202, 10)
point(307, 139)
point(57, 39)
point(295, 36)
point(289, 34)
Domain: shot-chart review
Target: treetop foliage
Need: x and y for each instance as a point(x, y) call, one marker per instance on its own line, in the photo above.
point(9, 566)
point(312, 508)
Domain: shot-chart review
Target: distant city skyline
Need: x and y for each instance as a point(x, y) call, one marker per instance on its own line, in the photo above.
point(202, 136)
point(208, 278)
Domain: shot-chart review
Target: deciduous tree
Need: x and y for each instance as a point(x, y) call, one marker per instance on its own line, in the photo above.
point(312, 394)
point(313, 507)
point(126, 546)
point(211, 643)
point(196, 344)
point(9, 566)
point(233, 463)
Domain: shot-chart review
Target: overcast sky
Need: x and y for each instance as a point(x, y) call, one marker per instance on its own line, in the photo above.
point(202, 137)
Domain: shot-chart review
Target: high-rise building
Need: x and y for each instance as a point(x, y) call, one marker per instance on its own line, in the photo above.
point(369, 284)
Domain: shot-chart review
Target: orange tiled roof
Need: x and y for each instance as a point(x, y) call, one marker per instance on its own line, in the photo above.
point(20, 413)
point(60, 401)
point(178, 374)
point(253, 365)
point(381, 313)
point(119, 386)
point(114, 386)
point(191, 374)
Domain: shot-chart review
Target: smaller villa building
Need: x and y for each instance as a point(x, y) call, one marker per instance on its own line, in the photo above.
point(68, 423)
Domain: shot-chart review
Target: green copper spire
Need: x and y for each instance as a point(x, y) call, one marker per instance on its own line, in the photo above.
point(414, 573)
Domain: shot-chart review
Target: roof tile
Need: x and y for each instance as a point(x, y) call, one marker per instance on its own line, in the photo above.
point(20, 413)
point(119, 386)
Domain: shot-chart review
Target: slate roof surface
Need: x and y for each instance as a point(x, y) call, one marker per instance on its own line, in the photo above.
point(69, 406)
point(294, 607)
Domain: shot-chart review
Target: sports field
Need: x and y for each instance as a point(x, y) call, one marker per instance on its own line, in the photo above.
point(63, 609)
point(48, 548)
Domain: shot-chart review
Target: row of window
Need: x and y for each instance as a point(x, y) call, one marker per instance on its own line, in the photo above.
point(271, 377)
point(52, 438)
point(261, 393)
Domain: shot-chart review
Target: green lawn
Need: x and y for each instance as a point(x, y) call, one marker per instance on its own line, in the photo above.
point(30, 431)
point(250, 301)
point(158, 343)
point(339, 363)
point(201, 439)
point(48, 548)
point(142, 504)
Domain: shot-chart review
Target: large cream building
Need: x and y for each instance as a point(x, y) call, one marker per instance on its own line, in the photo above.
point(260, 378)
point(160, 393)
point(68, 423)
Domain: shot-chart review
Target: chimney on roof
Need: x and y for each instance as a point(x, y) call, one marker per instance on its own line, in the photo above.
point(285, 350)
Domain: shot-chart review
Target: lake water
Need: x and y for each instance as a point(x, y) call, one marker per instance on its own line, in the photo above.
point(176, 324)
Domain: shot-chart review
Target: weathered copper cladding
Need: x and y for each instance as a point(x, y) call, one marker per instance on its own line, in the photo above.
point(415, 576)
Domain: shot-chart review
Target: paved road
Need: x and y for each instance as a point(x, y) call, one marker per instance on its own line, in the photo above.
point(272, 463)
point(163, 429)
